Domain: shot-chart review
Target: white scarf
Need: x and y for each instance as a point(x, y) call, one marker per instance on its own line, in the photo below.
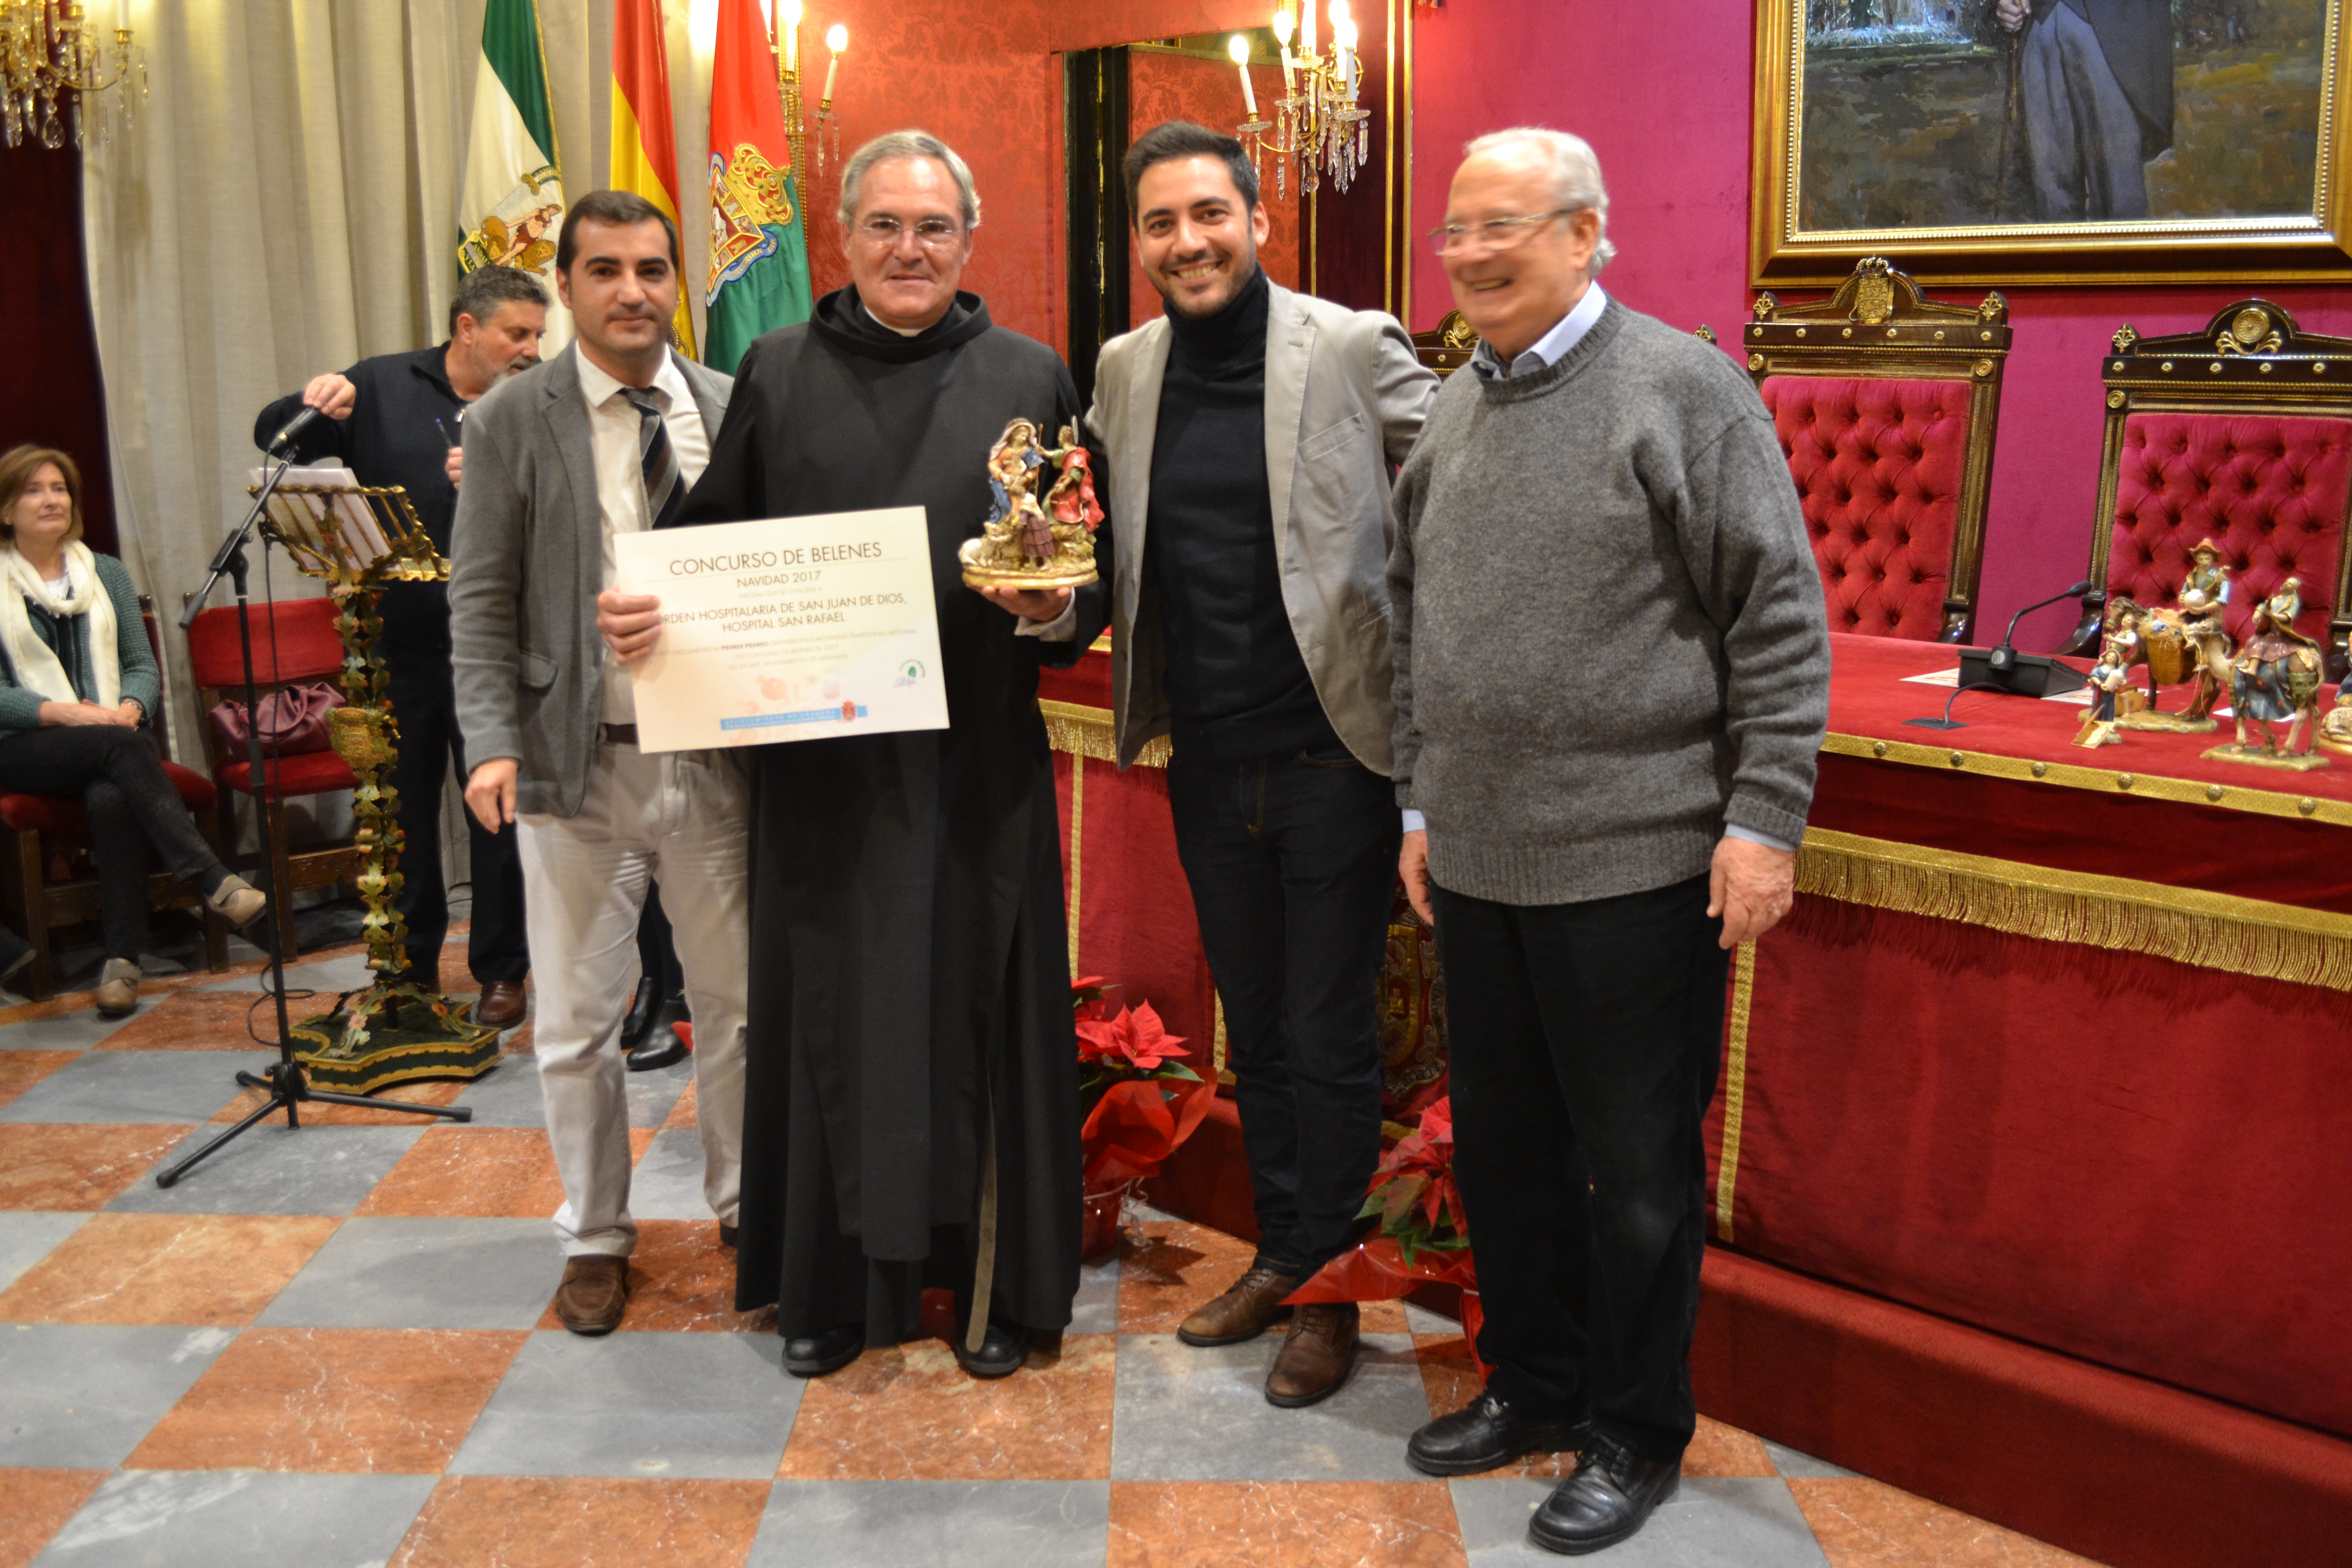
point(35, 664)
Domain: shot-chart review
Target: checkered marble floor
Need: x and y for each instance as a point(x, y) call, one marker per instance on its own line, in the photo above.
point(331, 1347)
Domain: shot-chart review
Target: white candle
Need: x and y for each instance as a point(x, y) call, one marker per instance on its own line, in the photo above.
point(837, 38)
point(792, 31)
point(1238, 47)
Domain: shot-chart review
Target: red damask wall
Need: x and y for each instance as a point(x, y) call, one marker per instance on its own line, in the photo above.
point(1179, 87)
point(1668, 112)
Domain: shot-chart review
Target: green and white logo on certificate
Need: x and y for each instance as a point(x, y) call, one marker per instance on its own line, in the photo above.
point(796, 629)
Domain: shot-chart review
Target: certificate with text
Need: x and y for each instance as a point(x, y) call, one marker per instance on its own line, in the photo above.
point(797, 629)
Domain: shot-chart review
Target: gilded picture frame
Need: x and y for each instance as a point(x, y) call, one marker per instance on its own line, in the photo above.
point(2018, 141)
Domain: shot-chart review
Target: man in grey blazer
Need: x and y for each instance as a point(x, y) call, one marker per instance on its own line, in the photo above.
point(1248, 439)
point(605, 438)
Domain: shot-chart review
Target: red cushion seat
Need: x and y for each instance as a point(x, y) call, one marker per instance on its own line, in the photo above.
point(1878, 463)
point(310, 773)
point(2269, 490)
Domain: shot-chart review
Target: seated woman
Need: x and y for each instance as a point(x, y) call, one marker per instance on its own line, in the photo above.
point(76, 683)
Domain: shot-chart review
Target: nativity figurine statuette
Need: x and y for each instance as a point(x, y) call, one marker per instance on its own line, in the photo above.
point(2275, 679)
point(1027, 543)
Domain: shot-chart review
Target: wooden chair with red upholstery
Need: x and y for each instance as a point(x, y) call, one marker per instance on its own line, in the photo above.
point(294, 642)
point(2241, 432)
point(48, 883)
point(1885, 403)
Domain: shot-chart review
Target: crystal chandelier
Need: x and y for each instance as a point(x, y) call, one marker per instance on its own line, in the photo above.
point(49, 49)
point(1316, 120)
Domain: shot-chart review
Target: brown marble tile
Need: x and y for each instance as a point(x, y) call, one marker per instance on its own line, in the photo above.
point(1869, 1524)
point(680, 1277)
point(153, 986)
point(206, 1021)
point(1385, 1318)
point(1719, 1451)
point(1449, 1375)
point(1181, 1265)
point(910, 1413)
point(682, 1114)
point(20, 1070)
point(514, 1521)
point(39, 1503)
point(320, 1113)
point(76, 1165)
point(395, 1400)
point(208, 1270)
point(1297, 1525)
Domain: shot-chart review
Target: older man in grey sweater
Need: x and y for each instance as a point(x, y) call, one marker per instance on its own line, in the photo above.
point(1611, 679)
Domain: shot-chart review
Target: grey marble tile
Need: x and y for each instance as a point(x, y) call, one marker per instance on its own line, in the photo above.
point(668, 1184)
point(1711, 1522)
point(326, 980)
point(1189, 1415)
point(65, 1032)
point(1095, 1310)
point(237, 1518)
point(654, 1094)
point(973, 1524)
point(425, 1274)
point(137, 1086)
point(26, 1238)
point(713, 1405)
point(275, 1169)
point(82, 1396)
point(1421, 1320)
point(507, 1095)
point(1804, 1467)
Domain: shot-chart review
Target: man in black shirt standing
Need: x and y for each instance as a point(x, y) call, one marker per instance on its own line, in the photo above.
point(393, 420)
point(1248, 437)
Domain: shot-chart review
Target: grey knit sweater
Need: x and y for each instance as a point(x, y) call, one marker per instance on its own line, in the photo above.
point(1608, 632)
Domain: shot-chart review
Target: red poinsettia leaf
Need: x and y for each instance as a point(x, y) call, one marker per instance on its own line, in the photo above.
point(1398, 1200)
point(1150, 1037)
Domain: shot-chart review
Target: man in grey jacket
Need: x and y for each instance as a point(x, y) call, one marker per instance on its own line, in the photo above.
point(1611, 679)
point(605, 438)
point(1248, 437)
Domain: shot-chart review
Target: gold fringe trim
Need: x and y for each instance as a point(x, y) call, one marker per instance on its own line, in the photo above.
point(2112, 781)
point(2188, 925)
point(1084, 732)
point(1077, 860)
point(1734, 1084)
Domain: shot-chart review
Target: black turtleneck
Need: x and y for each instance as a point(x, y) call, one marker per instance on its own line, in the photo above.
point(1238, 688)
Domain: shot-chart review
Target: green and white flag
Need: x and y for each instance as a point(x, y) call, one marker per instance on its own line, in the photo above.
point(510, 209)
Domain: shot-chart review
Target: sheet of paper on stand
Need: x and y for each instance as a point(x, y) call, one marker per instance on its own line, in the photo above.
point(302, 516)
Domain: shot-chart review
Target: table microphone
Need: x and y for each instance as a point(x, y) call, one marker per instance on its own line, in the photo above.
point(294, 426)
point(2003, 669)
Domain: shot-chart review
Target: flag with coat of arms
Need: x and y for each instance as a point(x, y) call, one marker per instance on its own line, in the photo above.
point(510, 203)
point(759, 247)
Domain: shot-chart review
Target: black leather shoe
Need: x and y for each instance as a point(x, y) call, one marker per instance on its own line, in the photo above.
point(1487, 1434)
point(1002, 1350)
point(659, 1046)
point(828, 1351)
point(640, 1016)
point(1610, 1497)
point(726, 1236)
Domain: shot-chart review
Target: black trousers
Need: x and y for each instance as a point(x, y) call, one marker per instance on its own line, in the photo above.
point(1585, 1040)
point(132, 807)
point(1292, 862)
point(425, 706)
point(657, 951)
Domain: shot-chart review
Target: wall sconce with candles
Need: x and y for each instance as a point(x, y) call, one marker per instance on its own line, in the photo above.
point(51, 49)
point(826, 143)
point(1316, 120)
point(829, 126)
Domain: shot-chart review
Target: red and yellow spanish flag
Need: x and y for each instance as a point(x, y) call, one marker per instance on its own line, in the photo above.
point(644, 148)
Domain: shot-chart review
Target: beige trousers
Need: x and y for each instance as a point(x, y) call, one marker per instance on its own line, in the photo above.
point(680, 819)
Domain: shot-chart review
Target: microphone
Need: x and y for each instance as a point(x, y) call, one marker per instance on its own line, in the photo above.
point(294, 426)
point(2004, 657)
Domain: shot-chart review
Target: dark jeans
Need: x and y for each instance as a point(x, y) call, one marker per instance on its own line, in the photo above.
point(1292, 862)
point(423, 704)
point(1584, 1040)
point(130, 805)
point(656, 952)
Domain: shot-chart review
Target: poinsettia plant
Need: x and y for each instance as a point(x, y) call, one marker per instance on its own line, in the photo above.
point(1414, 1193)
point(1142, 1102)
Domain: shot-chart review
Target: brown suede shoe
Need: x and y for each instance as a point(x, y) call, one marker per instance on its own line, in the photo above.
point(501, 1006)
point(1316, 1357)
point(595, 1290)
point(1243, 1312)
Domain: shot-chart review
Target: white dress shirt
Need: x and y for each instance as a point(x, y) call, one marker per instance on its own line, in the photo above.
point(613, 426)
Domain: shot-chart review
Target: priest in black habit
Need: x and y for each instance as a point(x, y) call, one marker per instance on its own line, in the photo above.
point(911, 1107)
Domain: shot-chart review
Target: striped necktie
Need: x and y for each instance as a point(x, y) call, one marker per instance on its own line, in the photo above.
point(665, 486)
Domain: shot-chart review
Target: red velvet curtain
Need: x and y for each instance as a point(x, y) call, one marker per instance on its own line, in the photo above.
point(51, 393)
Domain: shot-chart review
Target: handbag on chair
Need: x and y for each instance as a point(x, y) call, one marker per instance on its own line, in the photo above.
point(292, 721)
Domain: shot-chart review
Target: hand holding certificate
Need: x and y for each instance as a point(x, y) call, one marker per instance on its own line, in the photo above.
point(792, 629)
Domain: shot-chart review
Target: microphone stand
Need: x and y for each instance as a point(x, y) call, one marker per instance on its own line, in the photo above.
point(2003, 669)
point(284, 1081)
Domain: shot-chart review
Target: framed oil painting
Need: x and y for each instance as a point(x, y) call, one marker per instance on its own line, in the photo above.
point(2052, 140)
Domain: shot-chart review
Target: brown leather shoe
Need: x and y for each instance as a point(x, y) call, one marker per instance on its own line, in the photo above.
point(1316, 1357)
point(502, 1005)
point(595, 1290)
point(1243, 1312)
